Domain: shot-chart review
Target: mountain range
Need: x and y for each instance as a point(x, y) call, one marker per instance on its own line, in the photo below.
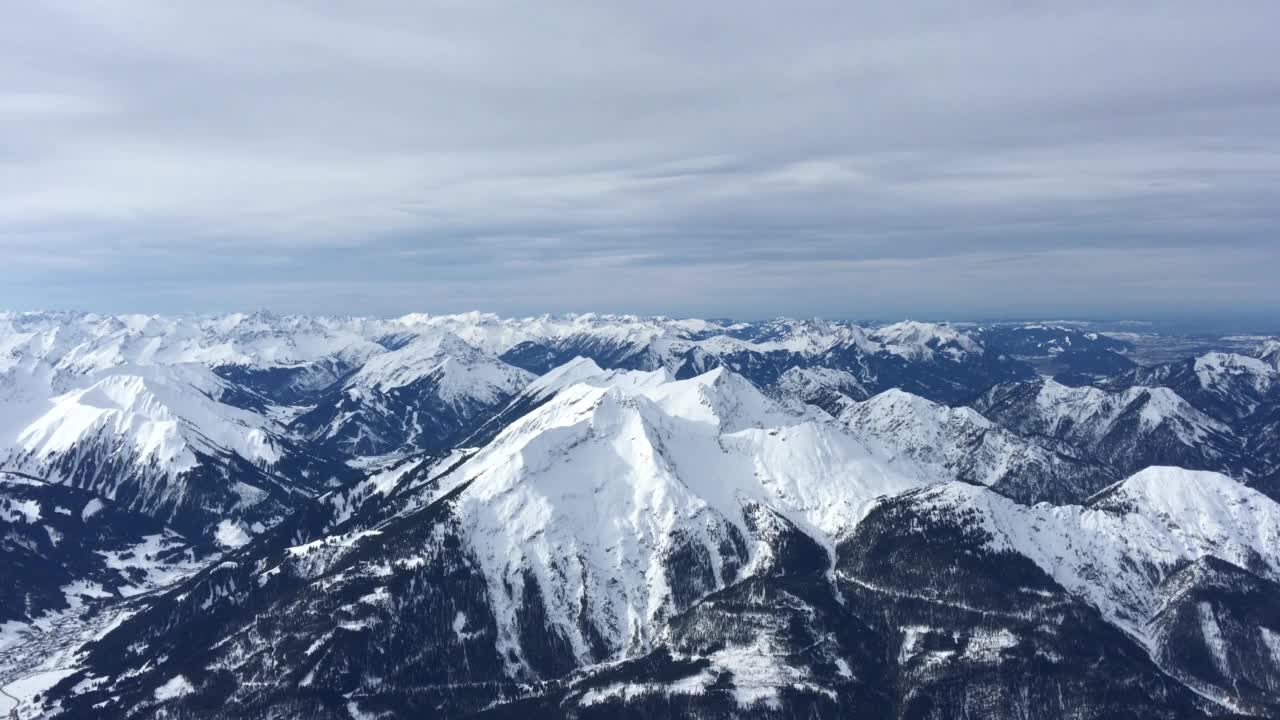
point(263, 516)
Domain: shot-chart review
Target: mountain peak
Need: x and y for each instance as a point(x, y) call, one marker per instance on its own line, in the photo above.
point(920, 340)
point(722, 398)
point(574, 371)
point(460, 369)
point(611, 476)
point(1168, 491)
point(1219, 368)
point(1269, 352)
point(162, 417)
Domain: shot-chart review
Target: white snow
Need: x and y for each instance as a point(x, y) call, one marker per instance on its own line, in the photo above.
point(162, 419)
point(985, 645)
point(911, 637)
point(152, 423)
point(588, 493)
point(155, 418)
point(463, 371)
point(947, 442)
point(73, 344)
point(1115, 552)
point(842, 667)
point(692, 685)
point(1212, 635)
point(1271, 640)
point(577, 370)
point(230, 534)
point(1269, 352)
point(77, 590)
point(25, 510)
point(1092, 412)
point(145, 557)
point(9, 478)
point(1215, 369)
point(175, 687)
point(460, 627)
point(923, 341)
point(758, 677)
point(91, 508)
point(809, 381)
point(22, 692)
point(381, 483)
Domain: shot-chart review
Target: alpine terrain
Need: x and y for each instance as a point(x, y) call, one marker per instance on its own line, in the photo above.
point(599, 516)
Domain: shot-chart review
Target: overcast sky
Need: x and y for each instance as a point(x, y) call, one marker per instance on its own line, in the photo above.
point(845, 159)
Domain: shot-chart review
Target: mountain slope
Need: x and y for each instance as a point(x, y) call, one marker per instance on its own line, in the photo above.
point(965, 446)
point(976, 629)
point(1237, 390)
point(1120, 554)
point(1126, 430)
point(412, 524)
point(1226, 386)
point(68, 545)
point(1070, 355)
point(294, 359)
point(75, 564)
point(832, 390)
point(570, 539)
point(158, 441)
point(426, 395)
point(681, 532)
point(1217, 629)
point(1115, 551)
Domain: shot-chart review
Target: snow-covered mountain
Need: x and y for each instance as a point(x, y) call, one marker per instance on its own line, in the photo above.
point(963, 445)
point(159, 441)
point(1227, 386)
point(919, 341)
point(1126, 430)
point(84, 342)
point(1127, 553)
point(1116, 549)
point(604, 515)
point(602, 489)
point(937, 361)
point(426, 395)
point(289, 358)
point(826, 388)
point(1269, 352)
point(596, 528)
point(1240, 391)
point(981, 589)
point(577, 533)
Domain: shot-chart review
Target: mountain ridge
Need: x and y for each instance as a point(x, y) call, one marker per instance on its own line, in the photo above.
point(594, 515)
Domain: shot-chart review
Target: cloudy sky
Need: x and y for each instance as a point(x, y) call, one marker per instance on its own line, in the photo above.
point(845, 159)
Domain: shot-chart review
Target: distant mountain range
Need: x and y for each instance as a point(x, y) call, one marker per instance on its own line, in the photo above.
point(262, 516)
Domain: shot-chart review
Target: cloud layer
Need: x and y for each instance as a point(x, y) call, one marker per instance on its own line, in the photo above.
point(924, 158)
